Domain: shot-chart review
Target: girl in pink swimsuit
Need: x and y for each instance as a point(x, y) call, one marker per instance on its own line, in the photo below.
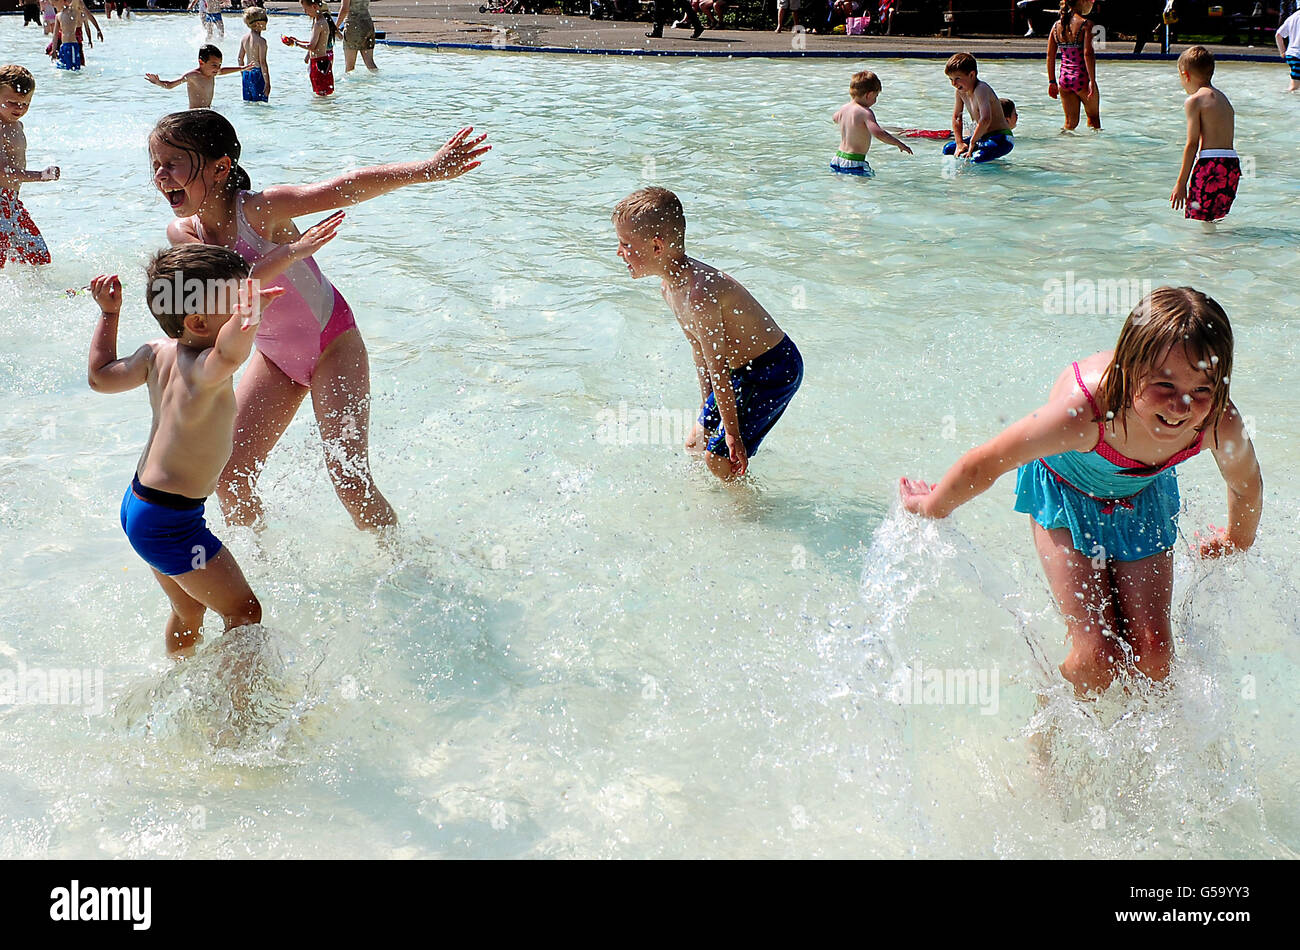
point(1095, 474)
point(308, 341)
point(1072, 35)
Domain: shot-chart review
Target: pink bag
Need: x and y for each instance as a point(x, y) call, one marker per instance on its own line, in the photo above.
point(857, 25)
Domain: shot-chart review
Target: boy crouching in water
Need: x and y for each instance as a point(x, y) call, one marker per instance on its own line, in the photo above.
point(209, 335)
point(991, 138)
point(749, 369)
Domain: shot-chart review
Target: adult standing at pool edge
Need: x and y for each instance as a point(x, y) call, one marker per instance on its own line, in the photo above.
point(358, 34)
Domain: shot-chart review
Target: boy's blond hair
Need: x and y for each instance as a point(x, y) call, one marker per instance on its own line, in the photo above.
point(254, 15)
point(1197, 61)
point(863, 83)
point(18, 79)
point(961, 63)
point(653, 212)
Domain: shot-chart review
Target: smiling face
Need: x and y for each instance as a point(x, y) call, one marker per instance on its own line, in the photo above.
point(964, 83)
point(641, 254)
point(13, 104)
point(186, 187)
point(210, 66)
point(1175, 396)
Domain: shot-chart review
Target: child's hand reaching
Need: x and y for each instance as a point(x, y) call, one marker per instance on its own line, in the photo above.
point(106, 291)
point(915, 496)
point(153, 78)
point(316, 236)
point(902, 147)
point(737, 454)
point(51, 174)
point(456, 157)
point(1214, 545)
point(252, 300)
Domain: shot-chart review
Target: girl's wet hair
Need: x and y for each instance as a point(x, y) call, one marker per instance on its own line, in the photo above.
point(205, 136)
point(1166, 318)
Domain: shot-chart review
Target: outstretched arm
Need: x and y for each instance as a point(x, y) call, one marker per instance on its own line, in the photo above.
point(313, 239)
point(1056, 427)
point(1235, 455)
point(454, 159)
point(875, 129)
point(165, 83)
point(108, 374)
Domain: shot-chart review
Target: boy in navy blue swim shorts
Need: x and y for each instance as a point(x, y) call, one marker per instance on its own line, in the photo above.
point(749, 369)
point(209, 311)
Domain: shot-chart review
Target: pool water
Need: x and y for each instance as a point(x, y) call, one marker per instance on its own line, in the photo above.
point(582, 646)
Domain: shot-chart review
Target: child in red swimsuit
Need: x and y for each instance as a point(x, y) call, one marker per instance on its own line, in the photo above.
point(1211, 169)
point(320, 48)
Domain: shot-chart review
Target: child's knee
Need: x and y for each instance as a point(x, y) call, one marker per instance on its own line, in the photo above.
point(250, 611)
point(1153, 652)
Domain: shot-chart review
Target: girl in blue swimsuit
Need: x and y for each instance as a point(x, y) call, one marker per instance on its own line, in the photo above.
point(1096, 476)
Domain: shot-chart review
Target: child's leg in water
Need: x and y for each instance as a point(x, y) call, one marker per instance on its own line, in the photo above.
point(267, 400)
point(1083, 594)
point(219, 584)
point(341, 397)
point(1092, 105)
point(1144, 591)
point(1070, 103)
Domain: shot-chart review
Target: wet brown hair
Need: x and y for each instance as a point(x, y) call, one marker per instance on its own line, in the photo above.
point(18, 79)
point(1165, 318)
point(960, 63)
point(1197, 61)
point(205, 136)
point(863, 83)
point(172, 272)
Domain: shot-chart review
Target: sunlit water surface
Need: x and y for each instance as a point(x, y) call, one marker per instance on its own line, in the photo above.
point(584, 647)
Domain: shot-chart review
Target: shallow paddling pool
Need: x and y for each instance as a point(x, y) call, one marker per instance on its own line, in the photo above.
point(584, 647)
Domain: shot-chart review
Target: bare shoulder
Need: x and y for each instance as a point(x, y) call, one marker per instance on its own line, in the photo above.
point(181, 231)
point(1231, 436)
point(1065, 389)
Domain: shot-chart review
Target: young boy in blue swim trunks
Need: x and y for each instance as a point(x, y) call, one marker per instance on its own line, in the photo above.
point(252, 53)
point(749, 369)
point(857, 126)
point(991, 138)
point(209, 335)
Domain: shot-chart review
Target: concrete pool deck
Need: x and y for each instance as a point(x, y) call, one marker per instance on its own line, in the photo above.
point(459, 25)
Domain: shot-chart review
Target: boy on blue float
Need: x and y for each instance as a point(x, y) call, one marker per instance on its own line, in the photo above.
point(991, 138)
point(749, 369)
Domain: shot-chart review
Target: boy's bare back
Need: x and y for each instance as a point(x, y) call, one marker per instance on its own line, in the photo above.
point(717, 313)
point(855, 121)
point(1210, 111)
point(252, 50)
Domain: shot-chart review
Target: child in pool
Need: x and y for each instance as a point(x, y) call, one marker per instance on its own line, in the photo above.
point(189, 375)
point(211, 17)
point(65, 49)
point(310, 342)
point(1008, 112)
point(1095, 474)
point(1288, 47)
point(749, 369)
point(857, 126)
point(320, 48)
point(252, 52)
point(200, 81)
point(20, 239)
point(1072, 35)
point(991, 138)
point(1209, 186)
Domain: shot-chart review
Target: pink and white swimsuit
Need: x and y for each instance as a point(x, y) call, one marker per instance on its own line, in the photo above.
point(305, 319)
